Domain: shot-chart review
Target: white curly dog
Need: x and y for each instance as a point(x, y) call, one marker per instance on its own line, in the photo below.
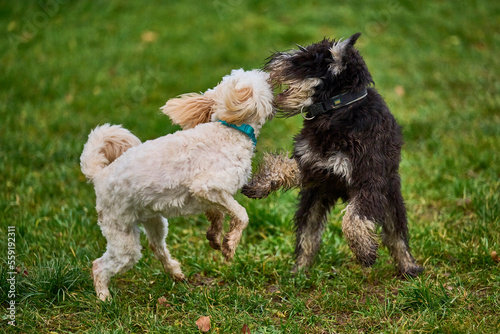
point(196, 170)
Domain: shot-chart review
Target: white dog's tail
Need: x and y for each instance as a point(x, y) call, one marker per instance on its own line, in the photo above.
point(105, 144)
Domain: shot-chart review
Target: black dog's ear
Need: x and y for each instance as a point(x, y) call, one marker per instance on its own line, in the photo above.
point(338, 49)
point(352, 40)
point(301, 47)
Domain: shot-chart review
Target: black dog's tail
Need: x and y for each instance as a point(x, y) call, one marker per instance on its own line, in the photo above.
point(274, 172)
point(105, 144)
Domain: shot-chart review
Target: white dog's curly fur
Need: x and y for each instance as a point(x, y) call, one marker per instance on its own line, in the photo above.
point(197, 170)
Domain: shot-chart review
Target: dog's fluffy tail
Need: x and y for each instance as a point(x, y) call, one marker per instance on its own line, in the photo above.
point(105, 144)
point(274, 172)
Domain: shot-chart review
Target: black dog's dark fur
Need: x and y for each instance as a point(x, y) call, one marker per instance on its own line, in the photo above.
point(351, 153)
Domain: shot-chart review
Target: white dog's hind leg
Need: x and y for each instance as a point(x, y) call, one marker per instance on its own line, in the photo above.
point(123, 250)
point(156, 231)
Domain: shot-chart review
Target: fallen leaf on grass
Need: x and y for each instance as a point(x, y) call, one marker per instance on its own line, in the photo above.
point(203, 323)
point(399, 90)
point(24, 272)
point(245, 329)
point(149, 36)
point(162, 301)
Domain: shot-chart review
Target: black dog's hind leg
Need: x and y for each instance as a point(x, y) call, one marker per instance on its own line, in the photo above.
point(395, 231)
point(310, 220)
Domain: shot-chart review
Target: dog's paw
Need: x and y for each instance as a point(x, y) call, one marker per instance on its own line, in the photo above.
point(367, 255)
point(256, 191)
point(215, 244)
point(297, 269)
point(174, 269)
point(102, 293)
point(228, 248)
point(214, 240)
point(104, 296)
point(228, 253)
point(411, 271)
point(179, 277)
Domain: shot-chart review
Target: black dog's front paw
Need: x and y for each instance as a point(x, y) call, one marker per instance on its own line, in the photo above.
point(256, 191)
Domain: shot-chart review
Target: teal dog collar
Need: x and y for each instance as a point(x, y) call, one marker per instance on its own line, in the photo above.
point(245, 128)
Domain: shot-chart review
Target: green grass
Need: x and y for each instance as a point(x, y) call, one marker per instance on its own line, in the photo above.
point(85, 63)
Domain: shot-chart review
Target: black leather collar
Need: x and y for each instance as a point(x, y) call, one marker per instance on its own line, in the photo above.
point(335, 102)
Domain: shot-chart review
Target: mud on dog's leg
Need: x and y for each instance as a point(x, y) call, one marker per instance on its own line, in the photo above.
point(225, 202)
point(215, 230)
point(238, 222)
point(358, 227)
point(359, 232)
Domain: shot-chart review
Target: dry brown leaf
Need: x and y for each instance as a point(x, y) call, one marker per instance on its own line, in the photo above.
point(203, 323)
point(399, 90)
point(494, 256)
point(162, 301)
point(149, 36)
point(245, 329)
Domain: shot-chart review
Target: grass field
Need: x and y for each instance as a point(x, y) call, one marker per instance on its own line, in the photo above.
point(70, 65)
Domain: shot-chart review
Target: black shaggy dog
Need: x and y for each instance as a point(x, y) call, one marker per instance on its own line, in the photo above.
point(349, 149)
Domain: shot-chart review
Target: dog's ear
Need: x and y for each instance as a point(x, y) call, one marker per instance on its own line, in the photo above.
point(339, 50)
point(189, 110)
point(243, 97)
point(237, 106)
point(352, 40)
